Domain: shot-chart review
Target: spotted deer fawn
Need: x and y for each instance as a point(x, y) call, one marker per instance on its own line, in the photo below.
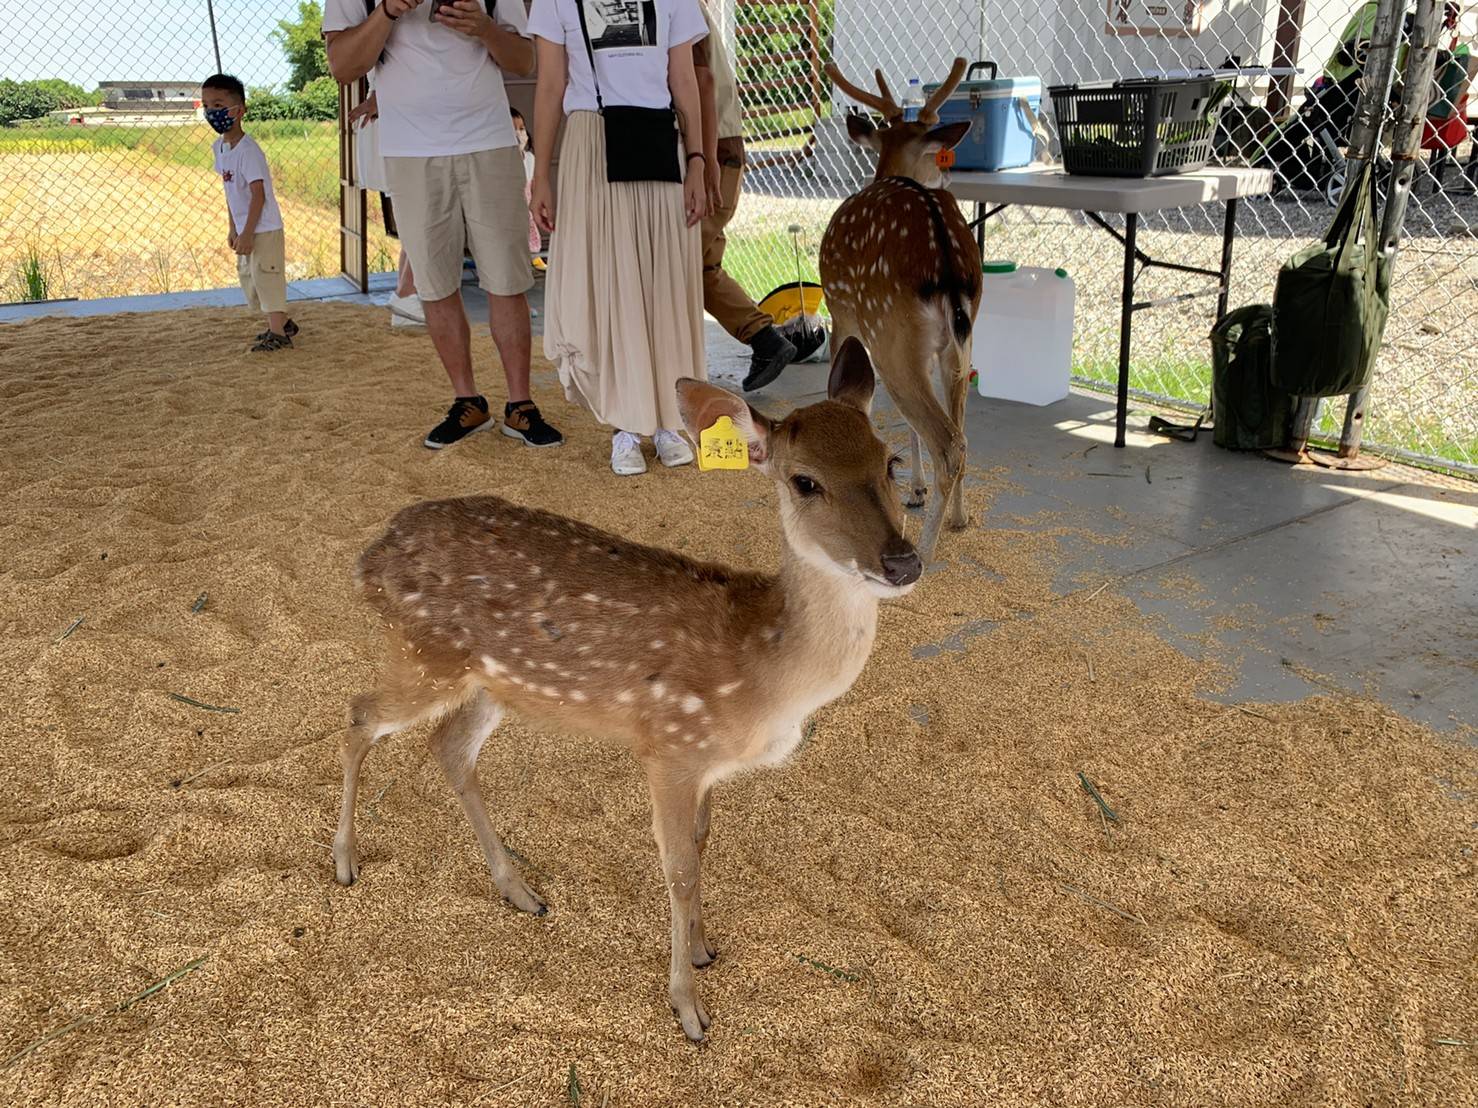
point(900, 268)
point(703, 671)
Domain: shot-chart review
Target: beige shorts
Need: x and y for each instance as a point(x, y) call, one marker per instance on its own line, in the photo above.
point(262, 273)
point(445, 205)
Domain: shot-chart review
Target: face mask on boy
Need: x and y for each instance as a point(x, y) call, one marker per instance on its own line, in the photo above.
point(219, 119)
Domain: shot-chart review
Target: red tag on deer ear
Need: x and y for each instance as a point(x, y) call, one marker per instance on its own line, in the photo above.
point(944, 158)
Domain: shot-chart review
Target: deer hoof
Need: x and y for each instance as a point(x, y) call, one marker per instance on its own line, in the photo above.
point(346, 863)
point(522, 897)
point(704, 954)
point(691, 1014)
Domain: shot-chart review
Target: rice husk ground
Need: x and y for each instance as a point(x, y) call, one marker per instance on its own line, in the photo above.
point(924, 908)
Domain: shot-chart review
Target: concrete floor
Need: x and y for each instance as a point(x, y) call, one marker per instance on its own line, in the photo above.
point(1368, 580)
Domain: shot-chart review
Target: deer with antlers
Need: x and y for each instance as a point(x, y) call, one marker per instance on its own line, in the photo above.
point(900, 269)
point(703, 671)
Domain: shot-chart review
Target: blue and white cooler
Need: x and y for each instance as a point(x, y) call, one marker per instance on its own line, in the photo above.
point(1002, 112)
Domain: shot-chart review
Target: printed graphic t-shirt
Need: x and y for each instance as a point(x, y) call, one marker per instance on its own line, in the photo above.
point(630, 39)
point(239, 166)
point(440, 92)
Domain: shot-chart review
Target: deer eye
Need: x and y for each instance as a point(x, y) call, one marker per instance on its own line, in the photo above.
point(804, 485)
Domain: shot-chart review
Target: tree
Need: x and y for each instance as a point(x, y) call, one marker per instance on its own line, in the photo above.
point(302, 44)
point(319, 99)
point(24, 100)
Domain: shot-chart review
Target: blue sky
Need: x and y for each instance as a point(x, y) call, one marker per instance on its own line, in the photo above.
point(88, 41)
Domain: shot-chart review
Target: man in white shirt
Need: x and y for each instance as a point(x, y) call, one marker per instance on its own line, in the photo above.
point(455, 170)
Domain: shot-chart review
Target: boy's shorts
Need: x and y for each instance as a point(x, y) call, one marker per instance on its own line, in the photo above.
point(446, 204)
point(261, 273)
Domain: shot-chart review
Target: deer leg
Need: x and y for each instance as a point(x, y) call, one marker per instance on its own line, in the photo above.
point(954, 375)
point(366, 726)
point(946, 450)
point(675, 807)
point(919, 492)
point(456, 742)
point(701, 951)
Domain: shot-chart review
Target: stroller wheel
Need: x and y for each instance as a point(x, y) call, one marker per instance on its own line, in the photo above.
point(1334, 184)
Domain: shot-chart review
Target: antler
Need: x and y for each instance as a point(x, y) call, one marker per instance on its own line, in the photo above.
point(885, 103)
point(929, 113)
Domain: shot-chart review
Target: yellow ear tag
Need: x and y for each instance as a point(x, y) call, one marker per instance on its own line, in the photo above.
point(722, 447)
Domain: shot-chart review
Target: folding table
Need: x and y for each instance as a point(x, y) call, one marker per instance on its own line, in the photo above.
point(1131, 197)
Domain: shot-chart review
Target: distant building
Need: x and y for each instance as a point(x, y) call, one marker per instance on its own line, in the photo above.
point(151, 96)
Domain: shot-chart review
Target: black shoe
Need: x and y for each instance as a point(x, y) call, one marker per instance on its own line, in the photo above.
point(772, 353)
point(271, 341)
point(290, 330)
point(466, 415)
point(806, 340)
point(523, 421)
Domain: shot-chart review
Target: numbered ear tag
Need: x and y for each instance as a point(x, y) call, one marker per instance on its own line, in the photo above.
point(722, 447)
point(944, 157)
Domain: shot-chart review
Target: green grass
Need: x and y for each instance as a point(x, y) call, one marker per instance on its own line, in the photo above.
point(304, 156)
point(763, 260)
point(32, 275)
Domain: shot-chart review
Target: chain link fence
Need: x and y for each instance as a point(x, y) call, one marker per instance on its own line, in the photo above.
point(106, 186)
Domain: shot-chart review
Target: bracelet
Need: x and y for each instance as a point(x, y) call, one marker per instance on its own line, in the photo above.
point(696, 154)
point(391, 18)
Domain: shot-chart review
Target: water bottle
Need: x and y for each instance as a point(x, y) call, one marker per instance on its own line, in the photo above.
point(913, 99)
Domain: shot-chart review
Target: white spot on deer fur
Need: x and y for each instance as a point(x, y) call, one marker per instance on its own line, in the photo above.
point(411, 597)
point(516, 679)
point(692, 704)
point(502, 632)
point(624, 697)
point(423, 612)
point(550, 666)
point(658, 644)
point(725, 690)
point(578, 697)
point(657, 689)
point(518, 650)
point(702, 744)
point(492, 667)
point(590, 596)
point(671, 728)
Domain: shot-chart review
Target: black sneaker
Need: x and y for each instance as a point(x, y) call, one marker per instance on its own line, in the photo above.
point(271, 341)
point(466, 415)
point(290, 330)
point(523, 421)
point(772, 353)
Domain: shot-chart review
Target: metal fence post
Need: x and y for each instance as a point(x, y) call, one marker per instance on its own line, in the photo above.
point(1365, 132)
point(1416, 88)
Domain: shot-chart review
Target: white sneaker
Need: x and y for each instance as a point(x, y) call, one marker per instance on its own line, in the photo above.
point(407, 306)
point(404, 321)
point(626, 455)
point(672, 448)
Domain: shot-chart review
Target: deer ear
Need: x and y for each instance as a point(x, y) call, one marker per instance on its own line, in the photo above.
point(852, 378)
point(701, 405)
point(861, 131)
point(946, 136)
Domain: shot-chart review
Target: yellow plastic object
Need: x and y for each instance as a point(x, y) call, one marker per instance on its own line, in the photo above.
point(722, 447)
point(788, 301)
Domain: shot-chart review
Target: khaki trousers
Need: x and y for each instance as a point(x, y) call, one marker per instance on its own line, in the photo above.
point(723, 298)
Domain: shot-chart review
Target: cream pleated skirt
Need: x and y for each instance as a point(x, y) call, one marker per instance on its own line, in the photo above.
point(624, 295)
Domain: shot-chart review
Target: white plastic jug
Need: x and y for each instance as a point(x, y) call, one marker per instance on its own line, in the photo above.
point(1023, 347)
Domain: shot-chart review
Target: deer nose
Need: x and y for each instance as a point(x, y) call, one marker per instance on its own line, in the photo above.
point(902, 567)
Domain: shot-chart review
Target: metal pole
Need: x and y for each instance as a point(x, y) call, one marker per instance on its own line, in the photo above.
point(1375, 93)
point(210, 10)
point(1416, 87)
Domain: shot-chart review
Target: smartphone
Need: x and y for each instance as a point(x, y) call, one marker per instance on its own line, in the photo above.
point(437, 5)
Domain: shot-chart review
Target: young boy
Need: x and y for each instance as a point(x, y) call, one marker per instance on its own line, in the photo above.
point(253, 221)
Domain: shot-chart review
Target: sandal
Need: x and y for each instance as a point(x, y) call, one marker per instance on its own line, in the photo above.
point(290, 331)
point(273, 341)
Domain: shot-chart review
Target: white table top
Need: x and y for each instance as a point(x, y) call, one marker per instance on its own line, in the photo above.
point(1048, 186)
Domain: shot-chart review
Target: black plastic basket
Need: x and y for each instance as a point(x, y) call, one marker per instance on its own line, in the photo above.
point(1137, 128)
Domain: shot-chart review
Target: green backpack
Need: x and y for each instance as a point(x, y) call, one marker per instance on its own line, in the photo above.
point(1331, 302)
point(1250, 412)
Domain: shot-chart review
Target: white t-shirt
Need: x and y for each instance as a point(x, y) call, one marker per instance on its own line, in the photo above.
point(630, 38)
point(239, 166)
point(440, 92)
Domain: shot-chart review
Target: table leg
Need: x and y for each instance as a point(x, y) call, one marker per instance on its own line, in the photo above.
point(1126, 324)
point(1228, 233)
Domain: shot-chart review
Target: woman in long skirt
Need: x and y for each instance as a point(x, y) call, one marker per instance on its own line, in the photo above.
point(624, 295)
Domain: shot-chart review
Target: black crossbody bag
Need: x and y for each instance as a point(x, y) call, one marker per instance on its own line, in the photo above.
point(641, 143)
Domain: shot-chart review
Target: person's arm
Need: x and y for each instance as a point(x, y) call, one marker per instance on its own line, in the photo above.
point(353, 52)
point(708, 102)
point(549, 94)
point(230, 227)
point(510, 50)
point(682, 81)
point(253, 213)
